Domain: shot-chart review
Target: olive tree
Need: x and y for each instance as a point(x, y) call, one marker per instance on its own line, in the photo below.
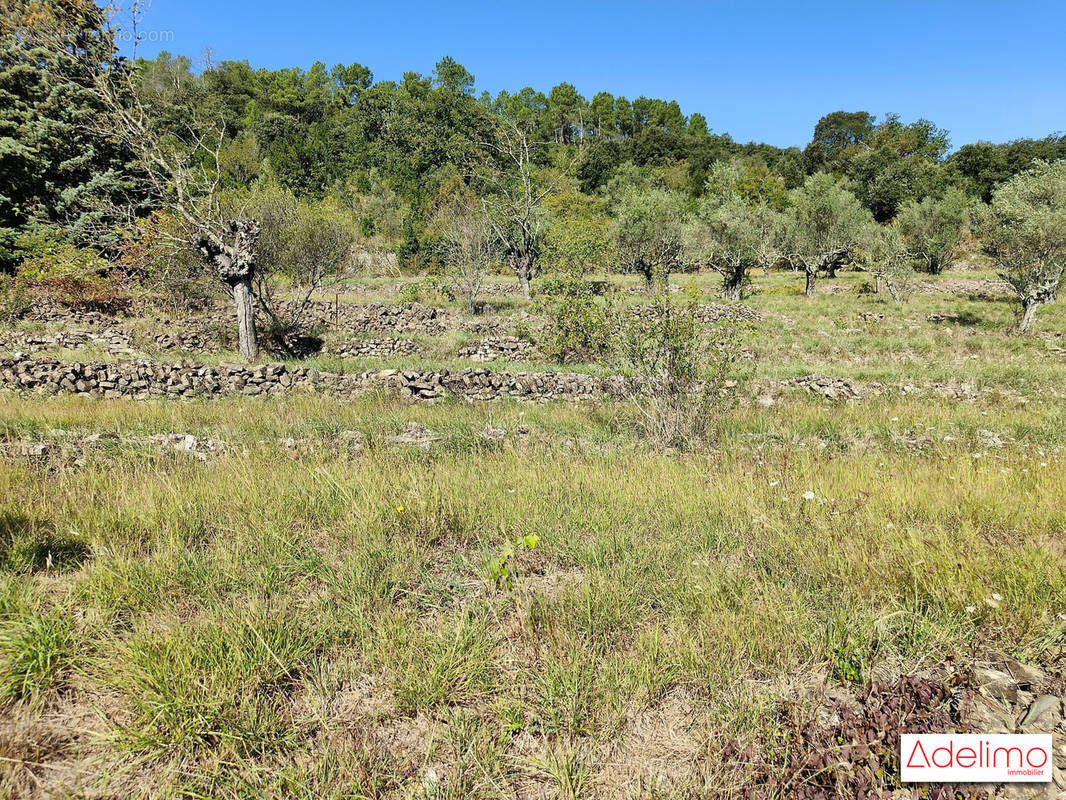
point(891, 262)
point(826, 223)
point(731, 237)
point(648, 234)
point(1025, 233)
point(933, 228)
point(303, 246)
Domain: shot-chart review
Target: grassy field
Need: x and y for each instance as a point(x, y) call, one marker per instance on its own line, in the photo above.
point(555, 611)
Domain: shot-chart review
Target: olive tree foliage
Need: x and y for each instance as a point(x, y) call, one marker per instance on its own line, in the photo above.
point(303, 246)
point(732, 238)
point(735, 229)
point(648, 233)
point(1025, 233)
point(826, 222)
point(934, 227)
point(891, 262)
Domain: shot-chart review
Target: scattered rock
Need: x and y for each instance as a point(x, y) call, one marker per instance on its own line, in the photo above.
point(414, 434)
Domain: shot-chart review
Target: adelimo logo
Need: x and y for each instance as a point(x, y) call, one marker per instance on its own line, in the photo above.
point(975, 758)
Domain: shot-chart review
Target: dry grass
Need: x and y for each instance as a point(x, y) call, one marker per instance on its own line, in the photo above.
point(310, 621)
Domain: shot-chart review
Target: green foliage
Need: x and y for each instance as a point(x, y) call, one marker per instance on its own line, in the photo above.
point(1025, 232)
point(503, 569)
point(980, 167)
point(14, 298)
point(304, 245)
point(892, 261)
point(933, 228)
point(578, 319)
point(648, 234)
point(432, 290)
point(577, 239)
point(825, 221)
point(61, 168)
point(888, 162)
point(76, 277)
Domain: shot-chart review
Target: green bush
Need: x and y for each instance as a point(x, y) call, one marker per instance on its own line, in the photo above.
point(578, 319)
point(72, 276)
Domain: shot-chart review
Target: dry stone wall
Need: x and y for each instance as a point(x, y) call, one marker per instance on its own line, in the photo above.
point(143, 379)
point(503, 348)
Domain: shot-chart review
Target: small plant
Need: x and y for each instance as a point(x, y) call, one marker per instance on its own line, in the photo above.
point(410, 293)
point(502, 569)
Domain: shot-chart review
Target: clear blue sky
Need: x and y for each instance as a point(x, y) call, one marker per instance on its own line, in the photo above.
point(763, 71)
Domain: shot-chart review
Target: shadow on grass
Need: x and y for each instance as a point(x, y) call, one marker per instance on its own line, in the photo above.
point(28, 544)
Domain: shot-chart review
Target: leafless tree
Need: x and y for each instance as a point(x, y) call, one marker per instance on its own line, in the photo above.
point(180, 170)
point(513, 200)
point(470, 250)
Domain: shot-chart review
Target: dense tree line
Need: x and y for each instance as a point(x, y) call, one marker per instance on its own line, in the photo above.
point(94, 145)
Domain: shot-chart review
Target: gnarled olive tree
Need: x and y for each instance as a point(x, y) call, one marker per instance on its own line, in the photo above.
point(826, 223)
point(1025, 232)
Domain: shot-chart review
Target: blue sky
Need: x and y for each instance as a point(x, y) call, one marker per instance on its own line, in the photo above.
point(763, 71)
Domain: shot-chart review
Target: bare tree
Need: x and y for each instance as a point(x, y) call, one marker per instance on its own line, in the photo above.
point(180, 170)
point(513, 200)
point(469, 242)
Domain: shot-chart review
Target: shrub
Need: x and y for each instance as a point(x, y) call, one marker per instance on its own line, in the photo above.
point(578, 321)
point(14, 298)
point(73, 276)
point(158, 252)
point(677, 372)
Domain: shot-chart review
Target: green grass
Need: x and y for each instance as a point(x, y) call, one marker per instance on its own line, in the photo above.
point(314, 621)
point(226, 609)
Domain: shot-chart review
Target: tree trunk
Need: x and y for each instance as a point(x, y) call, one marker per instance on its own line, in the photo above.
point(246, 335)
point(524, 272)
point(733, 284)
point(1028, 312)
point(809, 288)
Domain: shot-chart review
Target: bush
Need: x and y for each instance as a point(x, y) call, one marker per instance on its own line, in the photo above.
point(74, 277)
point(431, 290)
point(579, 322)
point(158, 252)
point(678, 373)
point(14, 299)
